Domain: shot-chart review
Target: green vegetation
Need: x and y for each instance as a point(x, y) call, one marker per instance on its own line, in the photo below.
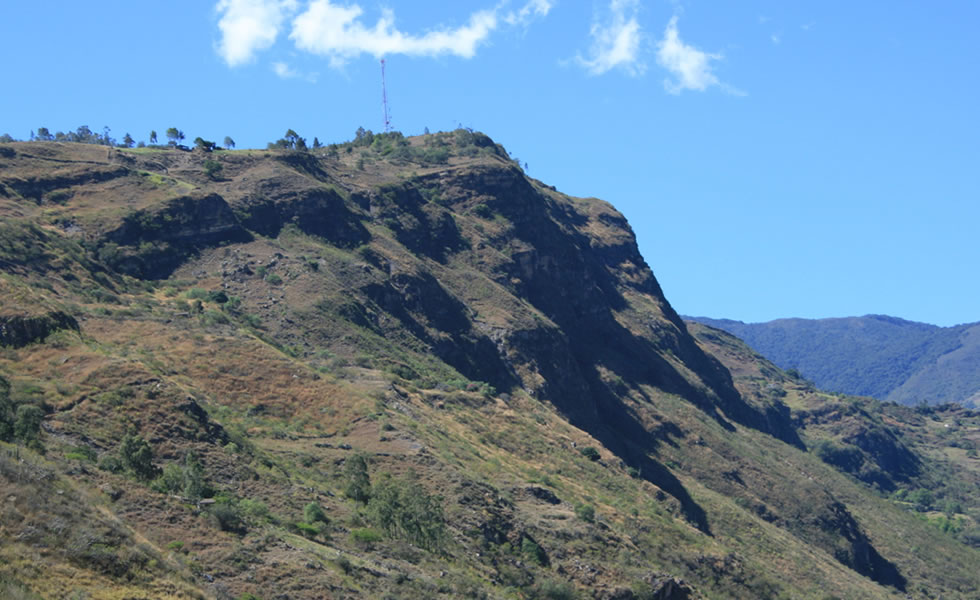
point(883, 357)
point(205, 146)
point(227, 516)
point(358, 486)
point(136, 457)
point(174, 135)
point(402, 508)
point(845, 457)
point(366, 537)
point(586, 512)
point(212, 169)
point(186, 479)
point(290, 141)
point(19, 420)
point(313, 513)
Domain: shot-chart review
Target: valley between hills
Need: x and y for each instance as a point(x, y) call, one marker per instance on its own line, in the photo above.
point(401, 368)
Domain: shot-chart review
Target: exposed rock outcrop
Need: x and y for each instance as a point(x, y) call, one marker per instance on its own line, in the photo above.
point(19, 330)
point(155, 242)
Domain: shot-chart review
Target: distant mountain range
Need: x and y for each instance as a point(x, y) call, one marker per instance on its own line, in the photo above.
point(874, 355)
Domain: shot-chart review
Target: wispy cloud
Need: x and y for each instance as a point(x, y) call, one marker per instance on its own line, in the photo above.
point(616, 40)
point(777, 38)
point(690, 67)
point(527, 13)
point(248, 26)
point(283, 70)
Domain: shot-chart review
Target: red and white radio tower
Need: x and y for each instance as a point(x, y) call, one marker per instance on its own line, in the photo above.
point(384, 98)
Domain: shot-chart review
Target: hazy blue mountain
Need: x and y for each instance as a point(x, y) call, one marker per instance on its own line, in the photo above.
point(874, 355)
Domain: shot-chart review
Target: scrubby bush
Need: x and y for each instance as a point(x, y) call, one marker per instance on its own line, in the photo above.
point(358, 482)
point(554, 590)
point(344, 564)
point(483, 211)
point(6, 412)
point(170, 481)
point(255, 511)
point(586, 512)
point(365, 536)
point(20, 421)
point(111, 463)
point(186, 479)
point(591, 453)
point(212, 169)
point(137, 457)
point(310, 530)
point(402, 508)
point(843, 456)
point(313, 513)
point(213, 317)
point(82, 453)
point(922, 499)
point(533, 552)
point(226, 515)
point(193, 477)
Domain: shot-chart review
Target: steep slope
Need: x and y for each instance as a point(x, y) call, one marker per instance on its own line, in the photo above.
point(262, 382)
point(925, 458)
point(878, 356)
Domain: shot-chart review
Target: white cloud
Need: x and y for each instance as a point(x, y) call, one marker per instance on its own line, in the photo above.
point(616, 41)
point(283, 70)
point(776, 38)
point(534, 8)
point(338, 33)
point(248, 26)
point(690, 67)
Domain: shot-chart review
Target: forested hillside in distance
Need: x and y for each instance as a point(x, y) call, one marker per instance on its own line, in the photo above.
point(875, 355)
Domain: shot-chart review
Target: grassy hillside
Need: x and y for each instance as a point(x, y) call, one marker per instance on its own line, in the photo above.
point(399, 368)
point(878, 356)
point(923, 458)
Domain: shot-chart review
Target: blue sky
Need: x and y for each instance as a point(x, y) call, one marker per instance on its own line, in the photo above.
point(775, 158)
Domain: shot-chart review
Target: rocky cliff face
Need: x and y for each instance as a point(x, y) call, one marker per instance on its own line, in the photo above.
point(155, 242)
point(17, 330)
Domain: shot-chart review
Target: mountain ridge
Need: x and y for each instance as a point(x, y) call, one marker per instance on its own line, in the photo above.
point(876, 355)
point(399, 367)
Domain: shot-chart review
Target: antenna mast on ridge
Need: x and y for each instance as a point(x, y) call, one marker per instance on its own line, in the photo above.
point(384, 98)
